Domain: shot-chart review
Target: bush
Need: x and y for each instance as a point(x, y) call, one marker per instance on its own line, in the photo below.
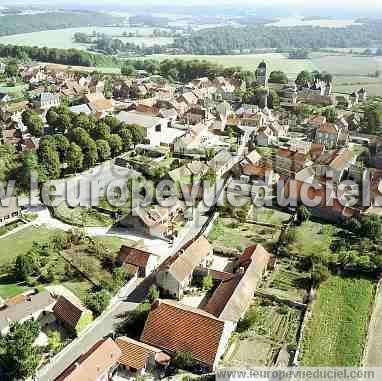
point(135, 321)
point(320, 273)
point(207, 282)
point(153, 294)
point(184, 360)
point(98, 301)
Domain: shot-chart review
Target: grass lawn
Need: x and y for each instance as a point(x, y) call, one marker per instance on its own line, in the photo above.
point(311, 238)
point(80, 288)
point(82, 216)
point(114, 243)
point(10, 288)
point(336, 333)
point(228, 233)
point(269, 216)
point(21, 242)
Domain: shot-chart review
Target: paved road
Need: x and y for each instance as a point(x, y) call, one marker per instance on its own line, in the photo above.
point(128, 300)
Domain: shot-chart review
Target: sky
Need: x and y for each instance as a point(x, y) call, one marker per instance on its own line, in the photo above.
point(304, 6)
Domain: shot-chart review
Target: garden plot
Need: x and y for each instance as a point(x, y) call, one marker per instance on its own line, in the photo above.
point(264, 331)
point(250, 352)
point(289, 281)
point(276, 322)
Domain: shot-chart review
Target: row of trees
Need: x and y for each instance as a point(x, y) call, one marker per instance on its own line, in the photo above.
point(76, 141)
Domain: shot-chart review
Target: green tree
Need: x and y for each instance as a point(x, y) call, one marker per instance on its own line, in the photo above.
point(320, 274)
point(103, 150)
point(120, 277)
point(98, 301)
point(33, 122)
point(90, 154)
point(29, 164)
point(303, 214)
point(101, 131)
point(128, 70)
point(54, 341)
point(135, 321)
point(11, 69)
point(278, 77)
point(126, 136)
point(331, 114)
point(19, 357)
point(25, 266)
point(116, 145)
point(371, 227)
point(304, 78)
point(153, 294)
point(62, 145)
point(74, 158)
point(138, 133)
point(49, 159)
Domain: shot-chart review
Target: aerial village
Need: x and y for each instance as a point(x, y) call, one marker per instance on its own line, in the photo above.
point(116, 293)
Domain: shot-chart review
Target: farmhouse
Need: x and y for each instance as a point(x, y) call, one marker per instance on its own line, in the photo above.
point(138, 357)
point(136, 261)
point(176, 328)
point(233, 296)
point(73, 315)
point(154, 126)
point(38, 307)
point(98, 364)
point(46, 100)
point(175, 274)
point(154, 220)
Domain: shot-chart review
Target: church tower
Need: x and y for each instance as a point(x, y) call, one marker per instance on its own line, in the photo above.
point(262, 74)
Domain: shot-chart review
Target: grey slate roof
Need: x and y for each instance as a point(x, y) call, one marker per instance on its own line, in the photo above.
point(35, 303)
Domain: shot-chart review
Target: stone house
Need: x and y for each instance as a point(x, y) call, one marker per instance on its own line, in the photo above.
point(175, 274)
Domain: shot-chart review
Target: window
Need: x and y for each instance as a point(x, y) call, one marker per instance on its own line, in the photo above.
point(158, 128)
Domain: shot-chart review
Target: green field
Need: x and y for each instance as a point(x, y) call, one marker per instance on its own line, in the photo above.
point(275, 61)
point(82, 217)
point(228, 233)
point(21, 242)
point(336, 333)
point(63, 38)
point(9, 287)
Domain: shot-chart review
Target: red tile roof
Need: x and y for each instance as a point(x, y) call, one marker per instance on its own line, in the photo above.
point(68, 312)
point(178, 328)
point(93, 364)
point(135, 354)
point(133, 256)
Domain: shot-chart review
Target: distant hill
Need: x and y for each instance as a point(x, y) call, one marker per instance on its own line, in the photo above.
point(15, 24)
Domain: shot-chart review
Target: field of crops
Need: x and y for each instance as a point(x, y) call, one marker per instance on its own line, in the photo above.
point(336, 333)
point(275, 61)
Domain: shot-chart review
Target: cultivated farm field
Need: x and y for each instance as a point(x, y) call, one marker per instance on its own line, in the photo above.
point(336, 333)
